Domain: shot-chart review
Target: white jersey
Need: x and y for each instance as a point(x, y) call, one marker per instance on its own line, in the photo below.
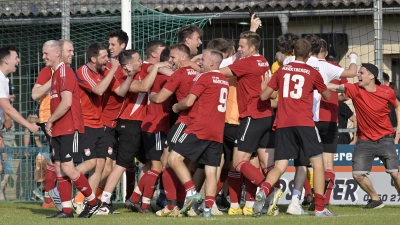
point(328, 72)
point(226, 62)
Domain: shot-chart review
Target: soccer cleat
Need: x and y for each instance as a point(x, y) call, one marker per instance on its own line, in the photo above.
point(325, 213)
point(61, 215)
point(374, 204)
point(171, 213)
point(78, 207)
point(207, 214)
point(192, 213)
point(247, 211)
point(55, 197)
point(307, 200)
point(215, 211)
point(38, 193)
point(146, 210)
point(89, 210)
point(106, 209)
point(312, 206)
point(190, 201)
point(295, 209)
point(277, 194)
point(259, 203)
point(128, 203)
point(234, 212)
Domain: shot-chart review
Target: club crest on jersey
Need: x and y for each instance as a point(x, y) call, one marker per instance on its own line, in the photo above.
point(87, 152)
point(110, 150)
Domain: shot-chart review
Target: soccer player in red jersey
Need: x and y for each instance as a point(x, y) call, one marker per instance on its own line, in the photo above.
point(93, 83)
point(256, 116)
point(375, 131)
point(41, 91)
point(154, 123)
point(202, 139)
point(128, 124)
point(179, 83)
point(295, 83)
point(65, 126)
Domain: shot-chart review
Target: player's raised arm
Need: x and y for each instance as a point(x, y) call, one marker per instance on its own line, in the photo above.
point(336, 88)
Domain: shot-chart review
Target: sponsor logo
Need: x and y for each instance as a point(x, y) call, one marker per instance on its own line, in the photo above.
point(67, 156)
point(110, 150)
point(262, 64)
point(87, 152)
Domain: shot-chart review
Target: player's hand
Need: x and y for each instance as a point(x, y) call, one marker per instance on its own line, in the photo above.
point(163, 64)
point(33, 128)
point(397, 137)
point(254, 23)
point(175, 108)
point(49, 126)
point(265, 79)
point(114, 64)
point(129, 69)
point(355, 53)
point(280, 57)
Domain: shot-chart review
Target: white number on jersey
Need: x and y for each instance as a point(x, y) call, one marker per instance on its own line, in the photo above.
point(223, 97)
point(298, 87)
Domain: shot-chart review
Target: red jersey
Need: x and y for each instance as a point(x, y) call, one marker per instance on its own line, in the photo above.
point(295, 83)
point(207, 115)
point(90, 102)
point(157, 117)
point(112, 104)
point(249, 71)
point(181, 82)
point(372, 110)
point(136, 102)
point(64, 79)
point(44, 110)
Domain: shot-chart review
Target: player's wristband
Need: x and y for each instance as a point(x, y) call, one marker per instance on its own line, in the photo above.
point(353, 58)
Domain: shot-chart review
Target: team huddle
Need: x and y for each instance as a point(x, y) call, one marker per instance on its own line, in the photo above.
point(205, 119)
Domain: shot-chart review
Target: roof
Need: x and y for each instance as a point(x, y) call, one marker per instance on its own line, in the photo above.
point(46, 8)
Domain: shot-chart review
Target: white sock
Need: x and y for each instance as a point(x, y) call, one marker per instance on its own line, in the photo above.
point(191, 192)
point(295, 199)
point(106, 197)
point(249, 204)
point(234, 205)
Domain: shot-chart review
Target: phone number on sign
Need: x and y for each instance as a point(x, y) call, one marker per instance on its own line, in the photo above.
point(385, 198)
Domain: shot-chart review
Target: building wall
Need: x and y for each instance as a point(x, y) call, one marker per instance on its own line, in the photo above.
point(360, 32)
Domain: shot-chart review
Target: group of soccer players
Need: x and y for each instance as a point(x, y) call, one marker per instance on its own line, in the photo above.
point(236, 123)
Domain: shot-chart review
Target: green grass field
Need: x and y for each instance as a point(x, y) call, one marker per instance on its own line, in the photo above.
point(32, 213)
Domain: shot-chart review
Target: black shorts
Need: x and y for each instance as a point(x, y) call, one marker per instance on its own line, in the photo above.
point(67, 147)
point(94, 144)
point(328, 132)
point(173, 135)
point(111, 142)
point(255, 133)
point(297, 143)
point(129, 135)
point(154, 145)
point(230, 132)
point(201, 151)
point(48, 138)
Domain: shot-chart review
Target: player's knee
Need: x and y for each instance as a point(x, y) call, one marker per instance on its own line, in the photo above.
point(358, 177)
point(394, 175)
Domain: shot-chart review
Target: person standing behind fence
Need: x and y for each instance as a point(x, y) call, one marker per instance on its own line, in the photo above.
point(65, 126)
point(375, 132)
